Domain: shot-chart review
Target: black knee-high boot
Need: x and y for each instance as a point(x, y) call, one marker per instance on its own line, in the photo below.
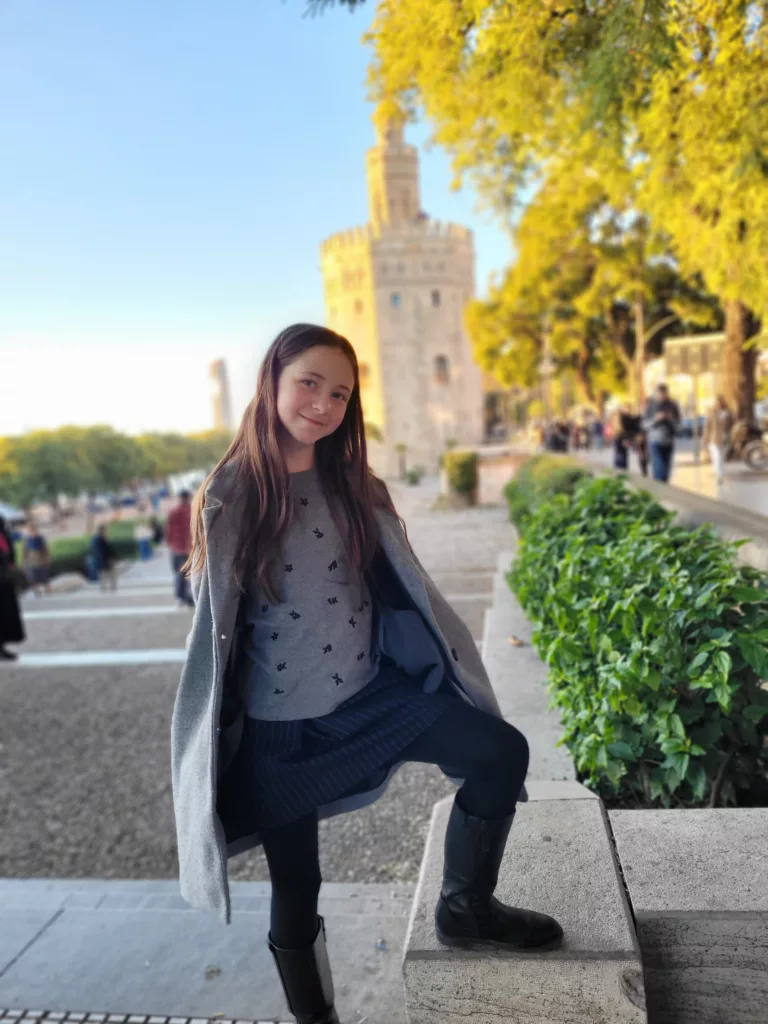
point(467, 913)
point(307, 982)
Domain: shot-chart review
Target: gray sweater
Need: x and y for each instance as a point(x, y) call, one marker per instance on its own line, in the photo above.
point(309, 654)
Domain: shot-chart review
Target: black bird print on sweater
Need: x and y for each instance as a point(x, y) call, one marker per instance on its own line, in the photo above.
point(319, 610)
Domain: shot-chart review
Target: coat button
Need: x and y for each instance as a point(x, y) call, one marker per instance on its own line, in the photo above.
point(453, 652)
point(223, 636)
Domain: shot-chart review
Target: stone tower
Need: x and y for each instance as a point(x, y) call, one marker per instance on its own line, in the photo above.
point(222, 403)
point(397, 288)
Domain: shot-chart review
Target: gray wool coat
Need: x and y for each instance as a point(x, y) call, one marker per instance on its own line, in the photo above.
point(416, 627)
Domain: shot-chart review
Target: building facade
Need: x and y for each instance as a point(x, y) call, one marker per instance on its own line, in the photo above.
point(220, 396)
point(691, 368)
point(397, 288)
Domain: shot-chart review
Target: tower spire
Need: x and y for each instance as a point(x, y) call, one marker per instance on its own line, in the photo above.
point(392, 169)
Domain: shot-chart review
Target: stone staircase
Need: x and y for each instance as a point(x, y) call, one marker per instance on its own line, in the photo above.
point(135, 948)
point(560, 859)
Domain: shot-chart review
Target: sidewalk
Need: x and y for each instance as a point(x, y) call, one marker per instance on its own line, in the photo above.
point(136, 952)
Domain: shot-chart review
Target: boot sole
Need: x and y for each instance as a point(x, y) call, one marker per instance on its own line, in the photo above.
point(479, 944)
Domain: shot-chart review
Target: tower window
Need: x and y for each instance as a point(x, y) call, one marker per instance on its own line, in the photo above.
point(395, 300)
point(442, 372)
point(435, 298)
point(358, 306)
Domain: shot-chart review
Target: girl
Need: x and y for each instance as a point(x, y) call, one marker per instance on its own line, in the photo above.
point(321, 658)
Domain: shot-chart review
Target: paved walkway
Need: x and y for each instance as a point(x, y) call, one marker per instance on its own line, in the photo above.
point(743, 487)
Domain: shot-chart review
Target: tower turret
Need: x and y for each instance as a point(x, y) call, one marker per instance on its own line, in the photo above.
point(392, 169)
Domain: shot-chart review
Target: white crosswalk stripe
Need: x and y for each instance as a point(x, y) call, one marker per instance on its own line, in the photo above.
point(98, 613)
point(83, 659)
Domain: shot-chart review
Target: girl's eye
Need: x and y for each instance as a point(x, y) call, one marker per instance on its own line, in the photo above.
point(339, 395)
point(309, 382)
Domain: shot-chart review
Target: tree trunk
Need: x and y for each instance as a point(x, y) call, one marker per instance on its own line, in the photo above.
point(737, 367)
point(583, 382)
point(638, 389)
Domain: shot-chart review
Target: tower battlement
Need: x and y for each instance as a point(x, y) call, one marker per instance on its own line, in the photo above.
point(347, 239)
point(353, 237)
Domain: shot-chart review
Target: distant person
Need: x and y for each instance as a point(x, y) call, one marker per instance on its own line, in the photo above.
point(661, 421)
point(626, 427)
point(717, 433)
point(37, 561)
point(158, 533)
point(142, 533)
point(11, 627)
point(178, 533)
point(105, 559)
point(598, 434)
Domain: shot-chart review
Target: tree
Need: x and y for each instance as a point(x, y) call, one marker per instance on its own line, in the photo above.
point(45, 467)
point(590, 285)
point(673, 92)
point(703, 135)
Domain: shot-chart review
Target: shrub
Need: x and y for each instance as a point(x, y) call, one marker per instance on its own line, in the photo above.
point(461, 467)
point(656, 645)
point(413, 476)
point(537, 480)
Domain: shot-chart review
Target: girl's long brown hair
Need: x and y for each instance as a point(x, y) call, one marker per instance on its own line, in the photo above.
point(260, 478)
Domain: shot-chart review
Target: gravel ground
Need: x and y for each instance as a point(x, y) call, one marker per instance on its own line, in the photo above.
point(85, 787)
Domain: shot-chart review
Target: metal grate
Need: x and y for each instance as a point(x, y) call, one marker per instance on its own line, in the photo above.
point(38, 1016)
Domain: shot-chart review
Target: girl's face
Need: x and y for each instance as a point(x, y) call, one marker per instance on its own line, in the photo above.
point(313, 392)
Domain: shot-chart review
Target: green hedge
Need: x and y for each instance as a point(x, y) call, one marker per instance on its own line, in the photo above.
point(461, 468)
point(539, 479)
point(68, 553)
point(655, 640)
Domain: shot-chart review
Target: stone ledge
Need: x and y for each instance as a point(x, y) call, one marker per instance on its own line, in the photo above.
point(698, 882)
point(559, 860)
point(730, 521)
point(518, 676)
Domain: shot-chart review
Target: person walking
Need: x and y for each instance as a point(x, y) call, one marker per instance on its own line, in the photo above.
point(104, 558)
point(321, 658)
point(143, 535)
point(37, 561)
point(178, 534)
point(717, 434)
point(11, 626)
point(661, 420)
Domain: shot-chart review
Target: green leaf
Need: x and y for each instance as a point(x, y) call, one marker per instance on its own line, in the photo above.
point(697, 779)
point(723, 661)
point(621, 750)
point(698, 661)
point(677, 726)
point(754, 654)
point(755, 713)
point(749, 595)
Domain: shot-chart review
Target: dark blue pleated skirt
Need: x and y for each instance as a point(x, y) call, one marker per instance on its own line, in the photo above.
point(284, 770)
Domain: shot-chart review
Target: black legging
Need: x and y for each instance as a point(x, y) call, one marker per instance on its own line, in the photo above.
point(488, 753)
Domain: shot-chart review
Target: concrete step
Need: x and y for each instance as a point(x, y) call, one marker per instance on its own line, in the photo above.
point(560, 861)
point(518, 677)
point(698, 882)
point(134, 947)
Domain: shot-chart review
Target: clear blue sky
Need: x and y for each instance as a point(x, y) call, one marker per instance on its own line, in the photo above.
point(168, 170)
